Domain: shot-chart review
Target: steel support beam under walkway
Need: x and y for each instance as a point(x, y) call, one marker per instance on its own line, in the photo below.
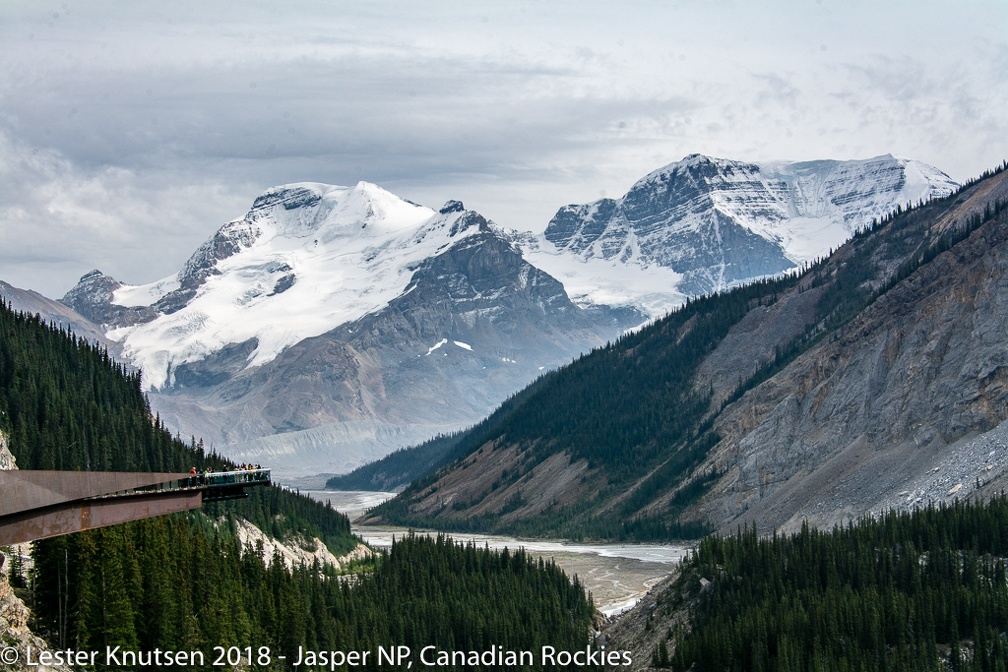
point(40, 504)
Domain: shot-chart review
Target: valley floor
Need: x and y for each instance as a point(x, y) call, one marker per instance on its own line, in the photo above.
point(618, 575)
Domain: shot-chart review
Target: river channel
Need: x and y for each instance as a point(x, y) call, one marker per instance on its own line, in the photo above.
point(618, 575)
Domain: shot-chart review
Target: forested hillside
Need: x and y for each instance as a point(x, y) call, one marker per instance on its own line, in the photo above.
point(65, 404)
point(184, 582)
point(926, 591)
point(622, 411)
point(397, 469)
point(173, 584)
point(627, 441)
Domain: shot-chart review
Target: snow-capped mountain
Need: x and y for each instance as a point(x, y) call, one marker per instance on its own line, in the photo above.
point(709, 223)
point(331, 325)
point(874, 381)
point(304, 260)
point(348, 309)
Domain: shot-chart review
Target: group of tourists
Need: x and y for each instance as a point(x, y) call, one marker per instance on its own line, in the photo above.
point(209, 470)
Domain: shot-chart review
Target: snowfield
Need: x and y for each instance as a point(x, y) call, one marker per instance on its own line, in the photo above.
point(309, 270)
point(309, 258)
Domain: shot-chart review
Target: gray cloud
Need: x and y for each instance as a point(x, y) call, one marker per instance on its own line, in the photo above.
point(130, 131)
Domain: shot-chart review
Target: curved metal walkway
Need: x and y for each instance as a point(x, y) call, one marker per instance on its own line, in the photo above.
point(40, 504)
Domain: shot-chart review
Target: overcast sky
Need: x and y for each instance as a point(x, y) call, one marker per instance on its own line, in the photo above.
point(130, 131)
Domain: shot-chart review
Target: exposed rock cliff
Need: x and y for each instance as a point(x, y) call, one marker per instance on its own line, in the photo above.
point(15, 634)
point(6, 459)
point(863, 414)
point(878, 377)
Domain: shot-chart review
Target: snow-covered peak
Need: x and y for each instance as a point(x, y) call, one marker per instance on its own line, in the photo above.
point(923, 177)
point(145, 295)
point(718, 221)
point(852, 193)
point(367, 208)
point(306, 258)
point(770, 200)
point(700, 168)
point(329, 212)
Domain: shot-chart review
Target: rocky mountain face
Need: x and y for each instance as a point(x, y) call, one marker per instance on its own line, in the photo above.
point(345, 316)
point(332, 316)
point(717, 222)
point(877, 378)
point(905, 404)
point(475, 324)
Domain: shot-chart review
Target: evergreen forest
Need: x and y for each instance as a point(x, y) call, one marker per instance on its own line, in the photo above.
point(921, 591)
point(185, 583)
point(398, 468)
point(180, 585)
point(66, 405)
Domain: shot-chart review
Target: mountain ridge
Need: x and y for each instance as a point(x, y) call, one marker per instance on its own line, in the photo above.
point(426, 320)
point(736, 461)
point(354, 275)
point(717, 222)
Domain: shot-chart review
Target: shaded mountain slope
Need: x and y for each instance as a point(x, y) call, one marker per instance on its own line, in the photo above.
point(33, 303)
point(752, 402)
point(331, 325)
point(858, 418)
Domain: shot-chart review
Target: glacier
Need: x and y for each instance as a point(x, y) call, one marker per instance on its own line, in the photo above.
point(346, 251)
point(302, 332)
point(704, 224)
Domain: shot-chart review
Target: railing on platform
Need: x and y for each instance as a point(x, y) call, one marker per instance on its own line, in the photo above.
point(222, 478)
point(232, 481)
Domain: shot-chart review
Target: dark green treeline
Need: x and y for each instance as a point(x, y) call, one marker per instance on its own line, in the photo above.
point(66, 405)
point(183, 582)
point(927, 591)
point(167, 583)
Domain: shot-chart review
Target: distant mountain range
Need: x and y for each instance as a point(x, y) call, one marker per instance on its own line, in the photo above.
point(875, 379)
point(704, 224)
point(342, 317)
point(330, 325)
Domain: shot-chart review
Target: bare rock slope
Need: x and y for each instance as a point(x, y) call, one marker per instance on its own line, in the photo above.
point(858, 418)
point(876, 378)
